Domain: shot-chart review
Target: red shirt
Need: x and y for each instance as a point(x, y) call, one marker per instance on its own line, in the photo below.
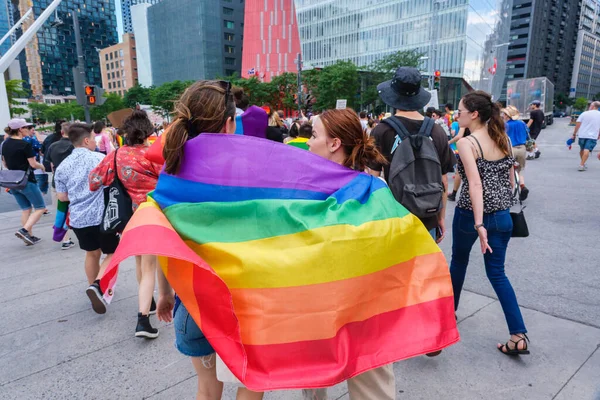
point(136, 172)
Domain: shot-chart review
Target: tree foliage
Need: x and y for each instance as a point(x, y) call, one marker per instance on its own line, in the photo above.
point(581, 104)
point(163, 97)
point(562, 101)
point(14, 89)
point(113, 102)
point(138, 95)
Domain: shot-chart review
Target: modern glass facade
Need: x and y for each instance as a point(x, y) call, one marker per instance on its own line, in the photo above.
point(452, 34)
point(195, 39)
point(585, 81)
point(57, 50)
point(5, 25)
point(126, 12)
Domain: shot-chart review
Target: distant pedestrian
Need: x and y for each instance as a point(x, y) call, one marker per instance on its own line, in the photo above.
point(304, 135)
point(139, 176)
point(276, 129)
point(18, 155)
point(102, 138)
point(437, 118)
point(483, 210)
point(449, 116)
point(364, 120)
point(86, 208)
point(517, 132)
point(588, 130)
point(535, 124)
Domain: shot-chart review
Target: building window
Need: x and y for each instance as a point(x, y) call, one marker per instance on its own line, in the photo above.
point(118, 74)
point(229, 61)
point(116, 54)
point(121, 52)
point(122, 63)
point(227, 11)
point(229, 24)
point(113, 75)
point(229, 49)
point(119, 83)
point(111, 56)
point(108, 75)
point(106, 57)
point(230, 72)
point(230, 37)
point(107, 66)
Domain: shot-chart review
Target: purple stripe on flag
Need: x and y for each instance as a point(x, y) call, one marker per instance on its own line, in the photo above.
point(234, 160)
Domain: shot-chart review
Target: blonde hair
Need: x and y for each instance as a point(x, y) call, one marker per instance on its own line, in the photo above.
point(274, 119)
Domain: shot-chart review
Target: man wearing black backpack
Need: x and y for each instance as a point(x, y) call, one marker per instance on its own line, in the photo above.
point(417, 150)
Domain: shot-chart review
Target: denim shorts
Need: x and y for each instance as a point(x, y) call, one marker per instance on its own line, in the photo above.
point(587, 144)
point(189, 339)
point(28, 197)
point(42, 182)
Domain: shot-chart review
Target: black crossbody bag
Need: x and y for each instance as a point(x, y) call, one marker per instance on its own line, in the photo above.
point(118, 207)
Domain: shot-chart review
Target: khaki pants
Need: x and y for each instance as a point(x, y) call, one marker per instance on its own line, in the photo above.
point(376, 384)
point(521, 156)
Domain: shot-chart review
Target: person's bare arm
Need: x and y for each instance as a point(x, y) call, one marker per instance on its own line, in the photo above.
point(35, 165)
point(577, 126)
point(62, 197)
point(442, 213)
point(529, 123)
point(459, 135)
point(166, 298)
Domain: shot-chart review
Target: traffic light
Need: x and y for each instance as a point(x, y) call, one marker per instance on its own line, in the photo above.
point(93, 95)
point(90, 94)
point(437, 76)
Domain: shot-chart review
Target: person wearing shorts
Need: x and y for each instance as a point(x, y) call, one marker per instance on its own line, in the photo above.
point(86, 208)
point(517, 133)
point(588, 130)
point(18, 155)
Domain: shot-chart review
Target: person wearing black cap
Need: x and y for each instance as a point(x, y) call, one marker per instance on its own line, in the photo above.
point(535, 123)
point(405, 94)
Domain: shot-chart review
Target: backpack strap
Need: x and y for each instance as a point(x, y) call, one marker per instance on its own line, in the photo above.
point(398, 126)
point(426, 127)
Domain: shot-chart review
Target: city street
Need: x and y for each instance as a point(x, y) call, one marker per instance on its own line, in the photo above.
point(53, 346)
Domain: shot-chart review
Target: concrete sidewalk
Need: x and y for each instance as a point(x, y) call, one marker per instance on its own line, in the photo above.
point(53, 346)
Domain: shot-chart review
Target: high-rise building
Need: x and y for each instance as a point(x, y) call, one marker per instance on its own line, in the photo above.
point(119, 66)
point(195, 39)
point(139, 22)
point(543, 36)
point(585, 81)
point(6, 22)
point(126, 6)
point(48, 61)
point(271, 43)
point(451, 35)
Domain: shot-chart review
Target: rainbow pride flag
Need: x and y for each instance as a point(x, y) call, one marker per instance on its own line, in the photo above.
point(300, 272)
point(60, 221)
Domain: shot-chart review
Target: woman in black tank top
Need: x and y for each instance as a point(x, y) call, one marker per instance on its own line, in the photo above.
point(483, 209)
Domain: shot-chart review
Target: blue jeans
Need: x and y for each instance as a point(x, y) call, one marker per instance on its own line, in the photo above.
point(29, 197)
point(42, 182)
point(499, 228)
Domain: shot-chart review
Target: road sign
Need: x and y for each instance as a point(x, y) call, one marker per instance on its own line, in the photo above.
point(341, 104)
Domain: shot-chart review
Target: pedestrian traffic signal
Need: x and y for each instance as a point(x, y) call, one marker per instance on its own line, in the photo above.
point(437, 76)
point(90, 94)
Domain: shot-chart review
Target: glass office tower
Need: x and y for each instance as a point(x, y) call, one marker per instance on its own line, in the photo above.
point(56, 41)
point(5, 25)
point(461, 38)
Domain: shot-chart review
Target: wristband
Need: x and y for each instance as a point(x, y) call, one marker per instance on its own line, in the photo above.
point(478, 226)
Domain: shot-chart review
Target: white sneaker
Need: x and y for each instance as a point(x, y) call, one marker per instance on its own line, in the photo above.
point(581, 168)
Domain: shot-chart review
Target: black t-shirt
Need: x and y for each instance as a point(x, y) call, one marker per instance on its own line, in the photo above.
point(57, 153)
point(538, 120)
point(385, 136)
point(274, 133)
point(16, 153)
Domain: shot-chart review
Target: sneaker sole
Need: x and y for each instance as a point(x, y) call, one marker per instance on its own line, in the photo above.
point(146, 335)
point(67, 248)
point(96, 298)
point(24, 238)
point(151, 312)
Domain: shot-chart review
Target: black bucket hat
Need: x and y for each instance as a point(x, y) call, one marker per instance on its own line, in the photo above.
point(404, 91)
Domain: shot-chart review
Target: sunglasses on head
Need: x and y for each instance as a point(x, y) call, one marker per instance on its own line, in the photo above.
point(227, 86)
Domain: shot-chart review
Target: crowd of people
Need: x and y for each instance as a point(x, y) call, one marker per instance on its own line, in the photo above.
point(414, 152)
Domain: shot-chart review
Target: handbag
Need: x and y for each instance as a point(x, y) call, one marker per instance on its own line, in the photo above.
point(12, 179)
point(529, 143)
point(118, 207)
point(520, 228)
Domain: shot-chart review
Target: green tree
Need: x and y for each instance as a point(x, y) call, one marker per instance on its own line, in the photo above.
point(337, 81)
point(164, 96)
point(39, 111)
point(113, 102)
point(581, 104)
point(64, 111)
point(561, 101)
point(259, 93)
point(14, 89)
point(382, 70)
point(284, 88)
point(138, 95)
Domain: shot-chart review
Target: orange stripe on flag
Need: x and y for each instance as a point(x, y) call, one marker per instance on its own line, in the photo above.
point(183, 272)
point(319, 311)
point(146, 215)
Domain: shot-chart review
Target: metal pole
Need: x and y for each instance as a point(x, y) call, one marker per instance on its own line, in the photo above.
point(299, 62)
point(80, 63)
point(16, 26)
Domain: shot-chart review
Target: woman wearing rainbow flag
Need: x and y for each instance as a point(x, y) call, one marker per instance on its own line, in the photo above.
point(300, 275)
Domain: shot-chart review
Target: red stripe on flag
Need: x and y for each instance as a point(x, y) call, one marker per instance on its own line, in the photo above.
point(378, 341)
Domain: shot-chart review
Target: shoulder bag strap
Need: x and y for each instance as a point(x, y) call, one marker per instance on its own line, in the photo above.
point(478, 145)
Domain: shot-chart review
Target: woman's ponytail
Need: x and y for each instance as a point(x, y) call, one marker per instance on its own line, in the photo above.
point(497, 129)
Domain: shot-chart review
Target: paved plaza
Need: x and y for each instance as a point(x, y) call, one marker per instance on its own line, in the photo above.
point(53, 346)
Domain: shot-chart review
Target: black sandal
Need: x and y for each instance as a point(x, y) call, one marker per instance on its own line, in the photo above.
point(515, 351)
